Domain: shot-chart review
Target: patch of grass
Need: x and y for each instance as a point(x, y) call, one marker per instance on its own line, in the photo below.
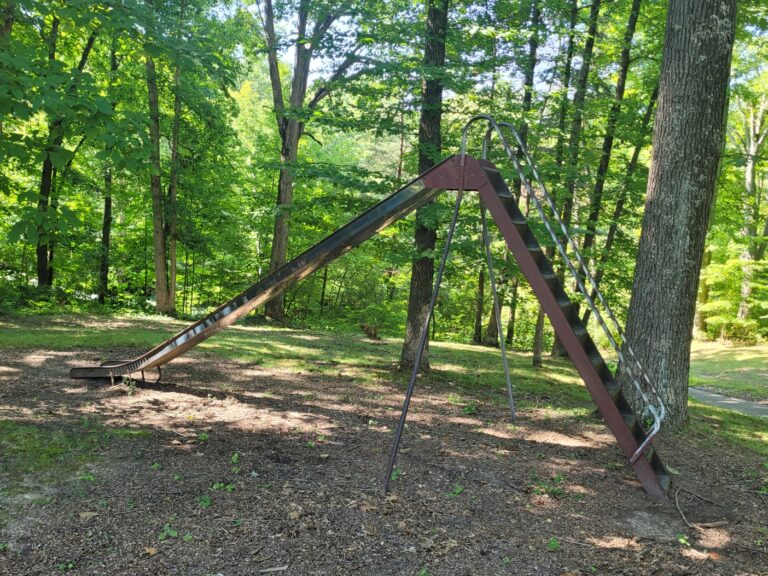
point(29, 448)
point(554, 486)
point(746, 431)
point(740, 371)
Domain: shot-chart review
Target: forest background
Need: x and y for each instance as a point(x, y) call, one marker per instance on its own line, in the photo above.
point(143, 146)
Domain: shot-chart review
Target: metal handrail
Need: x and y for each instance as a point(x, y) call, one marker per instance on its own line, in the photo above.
point(657, 409)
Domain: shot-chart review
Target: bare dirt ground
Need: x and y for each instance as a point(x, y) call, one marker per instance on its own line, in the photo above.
point(248, 471)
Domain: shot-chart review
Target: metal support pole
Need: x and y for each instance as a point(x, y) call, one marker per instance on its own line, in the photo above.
point(497, 311)
point(422, 341)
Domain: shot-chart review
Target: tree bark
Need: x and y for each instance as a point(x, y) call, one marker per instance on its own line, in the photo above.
point(430, 144)
point(687, 145)
point(610, 130)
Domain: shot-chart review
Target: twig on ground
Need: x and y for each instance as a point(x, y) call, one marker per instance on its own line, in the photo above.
point(572, 541)
point(274, 569)
point(700, 497)
point(680, 510)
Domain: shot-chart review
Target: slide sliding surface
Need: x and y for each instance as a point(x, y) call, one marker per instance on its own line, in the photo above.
point(446, 175)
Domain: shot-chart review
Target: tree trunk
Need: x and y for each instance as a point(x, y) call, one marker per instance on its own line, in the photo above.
point(562, 114)
point(325, 284)
point(529, 73)
point(106, 222)
point(173, 186)
point(574, 138)
point(44, 249)
point(430, 145)
point(755, 132)
point(538, 339)
point(700, 320)
point(46, 178)
point(7, 16)
point(479, 303)
point(291, 129)
point(510, 336)
point(610, 130)
point(618, 210)
point(687, 145)
point(164, 304)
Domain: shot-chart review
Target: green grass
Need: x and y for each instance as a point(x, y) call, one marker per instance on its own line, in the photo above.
point(52, 454)
point(708, 422)
point(470, 373)
point(740, 371)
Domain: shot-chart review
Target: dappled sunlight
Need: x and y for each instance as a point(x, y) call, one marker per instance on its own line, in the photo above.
point(496, 433)
point(75, 389)
point(615, 543)
point(551, 437)
point(714, 538)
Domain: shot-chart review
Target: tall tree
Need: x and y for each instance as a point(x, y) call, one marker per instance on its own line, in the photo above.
point(314, 20)
point(750, 138)
point(596, 199)
point(106, 221)
point(430, 146)
point(55, 157)
point(688, 138)
point(529, 75)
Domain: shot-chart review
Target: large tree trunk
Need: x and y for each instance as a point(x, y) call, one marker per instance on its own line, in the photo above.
point(430, 144)
point(164, 303)
point(596, 200)
point(687, 145)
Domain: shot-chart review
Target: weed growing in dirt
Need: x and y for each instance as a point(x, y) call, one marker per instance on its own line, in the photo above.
point(187, 536)
point(683, 539)
point(396, 473)
point(553, 486)
point(204, 501)
point(553, 544)
point(168, 531)
point(234, 460)
point(156, 466)
point(457, 489)
point(66, 566)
